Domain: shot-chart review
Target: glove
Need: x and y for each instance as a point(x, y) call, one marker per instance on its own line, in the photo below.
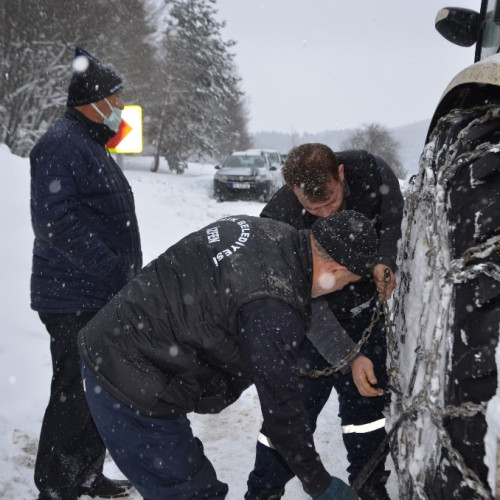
point(337, 490)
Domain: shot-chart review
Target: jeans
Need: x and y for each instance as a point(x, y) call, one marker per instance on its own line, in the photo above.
point(160, 456)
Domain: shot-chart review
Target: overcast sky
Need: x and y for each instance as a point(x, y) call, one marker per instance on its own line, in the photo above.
point(314, 65)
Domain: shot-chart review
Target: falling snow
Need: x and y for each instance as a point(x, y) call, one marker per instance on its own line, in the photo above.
point(168, 207)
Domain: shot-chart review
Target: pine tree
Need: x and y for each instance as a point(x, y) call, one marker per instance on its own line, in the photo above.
point(182, 75)
point(235, 136)
point(199, 85)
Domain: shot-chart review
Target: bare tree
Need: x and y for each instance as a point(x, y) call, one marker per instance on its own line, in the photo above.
point(31, 69)
point(378, 140)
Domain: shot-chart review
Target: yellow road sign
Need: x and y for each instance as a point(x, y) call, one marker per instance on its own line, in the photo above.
point(128, 139)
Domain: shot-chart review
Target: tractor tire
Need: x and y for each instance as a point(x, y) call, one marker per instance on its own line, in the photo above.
point(447, 310)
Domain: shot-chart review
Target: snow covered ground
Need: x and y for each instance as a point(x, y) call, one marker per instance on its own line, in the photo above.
point(169, 206)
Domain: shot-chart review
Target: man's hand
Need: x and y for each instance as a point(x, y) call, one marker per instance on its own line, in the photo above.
point(364, 377)
point(379, 271)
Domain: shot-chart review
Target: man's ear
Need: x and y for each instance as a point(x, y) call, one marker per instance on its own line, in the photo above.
point(332, 266)
point(341, 172)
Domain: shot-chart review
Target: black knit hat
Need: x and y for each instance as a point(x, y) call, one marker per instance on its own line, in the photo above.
point(349, 238)
point(91, 80)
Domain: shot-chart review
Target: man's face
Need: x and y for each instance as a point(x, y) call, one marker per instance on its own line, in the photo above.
point(114, 100)
point(332, 204)
point(330, 277)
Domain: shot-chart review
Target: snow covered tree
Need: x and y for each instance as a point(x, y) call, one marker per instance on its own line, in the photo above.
point(183, 76)
point(199, 85)
point(236, 136)
point(37, 42)
point(378, 140)
point(32, 69)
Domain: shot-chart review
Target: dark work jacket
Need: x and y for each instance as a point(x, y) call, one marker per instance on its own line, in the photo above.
point(170, 341)
point(372, 189)
point(87, 242)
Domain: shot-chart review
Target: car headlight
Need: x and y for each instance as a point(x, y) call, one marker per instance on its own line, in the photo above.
point(221, 178)
point(260, 177)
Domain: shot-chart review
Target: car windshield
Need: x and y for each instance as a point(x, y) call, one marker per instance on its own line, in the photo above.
point(274, 157)
point(244, 161)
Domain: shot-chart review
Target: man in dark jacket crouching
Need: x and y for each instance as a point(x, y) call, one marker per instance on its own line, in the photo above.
point(225, 307)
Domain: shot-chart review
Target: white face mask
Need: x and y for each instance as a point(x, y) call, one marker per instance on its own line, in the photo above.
point(113, 120)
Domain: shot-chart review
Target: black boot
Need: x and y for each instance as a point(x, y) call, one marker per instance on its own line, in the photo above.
point(374, 487)
point(108, 488)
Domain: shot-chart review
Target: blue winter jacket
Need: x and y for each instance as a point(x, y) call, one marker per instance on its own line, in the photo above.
point(87, 243)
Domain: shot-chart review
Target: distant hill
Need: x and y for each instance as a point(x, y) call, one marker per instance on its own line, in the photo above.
point(410, 137)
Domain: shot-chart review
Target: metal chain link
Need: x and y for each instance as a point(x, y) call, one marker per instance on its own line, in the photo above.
point(329, 370)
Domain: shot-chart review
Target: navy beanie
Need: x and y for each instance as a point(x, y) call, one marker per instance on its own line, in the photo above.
point(350, 239)
point(91, 80)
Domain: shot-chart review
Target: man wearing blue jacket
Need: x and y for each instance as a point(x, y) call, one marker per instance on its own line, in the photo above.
point(86, 249)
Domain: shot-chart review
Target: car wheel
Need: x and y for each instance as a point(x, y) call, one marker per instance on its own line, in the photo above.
point(447, 310)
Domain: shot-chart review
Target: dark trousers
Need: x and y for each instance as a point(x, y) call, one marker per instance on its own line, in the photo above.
point(160, 456)
point(270, 471)
point(70, 451)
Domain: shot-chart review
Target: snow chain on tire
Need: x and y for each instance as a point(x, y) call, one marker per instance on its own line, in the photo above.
point(447, 310)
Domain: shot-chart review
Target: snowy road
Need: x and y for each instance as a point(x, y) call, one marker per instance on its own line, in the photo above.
point(168, 206)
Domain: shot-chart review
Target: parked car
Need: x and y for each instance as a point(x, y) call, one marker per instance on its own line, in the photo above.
point(446, 400)
point(247, 174)
point(273, 155)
